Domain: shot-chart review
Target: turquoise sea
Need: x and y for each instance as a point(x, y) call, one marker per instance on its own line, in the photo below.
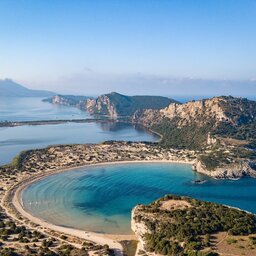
point(100, 198)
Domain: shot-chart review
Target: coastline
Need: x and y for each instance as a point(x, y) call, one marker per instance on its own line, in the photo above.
point(111, 239)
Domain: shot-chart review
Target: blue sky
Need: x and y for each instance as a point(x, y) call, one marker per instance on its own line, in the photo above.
point(135, 47)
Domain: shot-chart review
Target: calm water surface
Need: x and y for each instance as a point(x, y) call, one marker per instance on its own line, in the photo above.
point(31, 109)
point(101, 198)
point(15, 139)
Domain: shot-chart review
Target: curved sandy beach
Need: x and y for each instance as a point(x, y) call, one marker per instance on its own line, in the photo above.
point(110, 239)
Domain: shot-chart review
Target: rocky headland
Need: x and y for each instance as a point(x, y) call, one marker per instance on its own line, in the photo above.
point(182, 226)
point(221, 129)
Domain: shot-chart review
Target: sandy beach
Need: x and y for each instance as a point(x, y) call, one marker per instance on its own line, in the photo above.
point(110, 239)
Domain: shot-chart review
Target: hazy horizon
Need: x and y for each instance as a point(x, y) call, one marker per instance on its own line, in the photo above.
point(132, 47)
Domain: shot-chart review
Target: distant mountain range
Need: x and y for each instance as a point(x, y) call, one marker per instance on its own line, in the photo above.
point(9, 88)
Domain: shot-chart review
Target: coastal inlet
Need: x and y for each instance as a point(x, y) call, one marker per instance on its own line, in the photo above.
point(100, 198)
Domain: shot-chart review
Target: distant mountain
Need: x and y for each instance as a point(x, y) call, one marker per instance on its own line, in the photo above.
point(9, 88)
point(117, 105)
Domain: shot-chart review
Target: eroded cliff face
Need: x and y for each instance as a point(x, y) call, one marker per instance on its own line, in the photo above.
point(102, 106)
point(220, 129)
point(139, 228)
point(197, 111)
point(59, 100)
point(148, 117)
point(219, 109)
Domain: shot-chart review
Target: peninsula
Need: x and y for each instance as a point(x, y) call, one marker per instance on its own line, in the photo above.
point(182, 226)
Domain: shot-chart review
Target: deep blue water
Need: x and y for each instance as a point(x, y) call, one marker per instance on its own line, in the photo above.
point(101, 198)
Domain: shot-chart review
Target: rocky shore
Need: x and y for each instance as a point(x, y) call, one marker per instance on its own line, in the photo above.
point(231, 171)
point(176, 225)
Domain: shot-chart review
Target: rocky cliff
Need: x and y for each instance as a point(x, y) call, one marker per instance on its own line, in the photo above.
point(102, 106)
point(228, 171)
point(113, 105)
point(219, 115)
point(178, 225)
point(234, 111)
point(221, 130)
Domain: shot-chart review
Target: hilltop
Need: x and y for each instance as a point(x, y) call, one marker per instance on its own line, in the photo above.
point(182, 226)
point(191, 122)
point(9, 88)
point(222, 130)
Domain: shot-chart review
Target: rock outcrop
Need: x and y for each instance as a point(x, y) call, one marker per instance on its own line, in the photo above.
point(229, 171)
point(102, 106)
point(234, 111)
point(139, 228)
point(221, 129)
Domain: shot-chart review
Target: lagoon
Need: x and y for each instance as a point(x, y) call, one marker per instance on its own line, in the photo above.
point(100, 198)
point(15, 139)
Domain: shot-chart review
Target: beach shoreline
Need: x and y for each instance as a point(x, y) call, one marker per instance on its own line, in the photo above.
point(113, 240)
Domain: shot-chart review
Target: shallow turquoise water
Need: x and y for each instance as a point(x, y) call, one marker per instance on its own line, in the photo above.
point(101, 198)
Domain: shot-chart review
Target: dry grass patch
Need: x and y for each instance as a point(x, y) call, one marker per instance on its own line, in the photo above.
point(229, 245)
point(171, 205)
